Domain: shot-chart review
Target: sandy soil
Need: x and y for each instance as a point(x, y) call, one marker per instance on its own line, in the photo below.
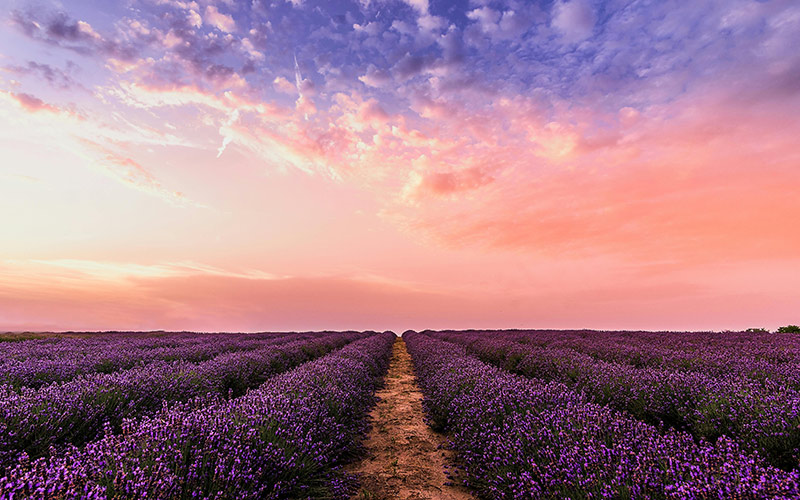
point(402, 460)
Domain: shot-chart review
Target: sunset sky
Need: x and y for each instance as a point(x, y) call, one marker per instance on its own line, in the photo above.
point(387, 164)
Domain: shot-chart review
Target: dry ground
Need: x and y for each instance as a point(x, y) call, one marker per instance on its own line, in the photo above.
point(403, 457)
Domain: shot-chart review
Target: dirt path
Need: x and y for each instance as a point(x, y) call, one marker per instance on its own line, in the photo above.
point(403, 461)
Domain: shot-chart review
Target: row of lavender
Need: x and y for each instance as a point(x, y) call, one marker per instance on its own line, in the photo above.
point(287, 438)
point(79, 411)
point(36, 363)
point(759, 415)
point(760, 356)
point(518, 437)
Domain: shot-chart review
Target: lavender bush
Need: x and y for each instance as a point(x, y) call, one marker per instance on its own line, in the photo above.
point(520, 438)
point(760, 415)
point(35, 363)
point(286, 439)
point(76, 412)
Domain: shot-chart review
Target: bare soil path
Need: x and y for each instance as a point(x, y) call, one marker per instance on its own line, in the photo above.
point(403, 456)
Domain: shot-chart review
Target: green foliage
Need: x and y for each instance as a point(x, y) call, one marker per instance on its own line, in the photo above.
point(757, 330)
point(789, 329)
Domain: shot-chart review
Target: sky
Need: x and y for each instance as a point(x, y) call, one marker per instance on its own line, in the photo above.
point(221, 165)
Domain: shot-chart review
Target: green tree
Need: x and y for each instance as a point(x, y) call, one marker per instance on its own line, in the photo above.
point(789, 329)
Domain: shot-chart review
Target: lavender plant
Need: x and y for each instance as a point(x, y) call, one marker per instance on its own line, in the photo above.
point(520, 438)
point(760, 415)
point(286, 439)
point(32, 421)
point(36, 363)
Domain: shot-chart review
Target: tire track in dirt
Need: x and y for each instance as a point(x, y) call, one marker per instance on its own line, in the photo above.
point(403, 459)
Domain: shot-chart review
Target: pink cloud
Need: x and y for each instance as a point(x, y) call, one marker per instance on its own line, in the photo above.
point(574, 19)
point(486, 17)
point(197, 21)
point(559, 182)
point(375, 77)
point(222, 22)
point(283, 85)
point(420, 6)
point(32, 103)
point(371, 111)
point(132, 173)
point(207, 302)
point(443, 183)
point(675, 183)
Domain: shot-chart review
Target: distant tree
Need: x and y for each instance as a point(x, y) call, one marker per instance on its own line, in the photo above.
point(757, 330)
point(789, 329)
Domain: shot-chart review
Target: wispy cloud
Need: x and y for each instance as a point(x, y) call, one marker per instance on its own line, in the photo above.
point(575, 19)
point(219, 20)
point(84, 136)
point(54, 76)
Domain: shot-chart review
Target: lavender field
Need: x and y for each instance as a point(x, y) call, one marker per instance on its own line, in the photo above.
point(517, 415)
point(223, 416)
point(554, 414)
